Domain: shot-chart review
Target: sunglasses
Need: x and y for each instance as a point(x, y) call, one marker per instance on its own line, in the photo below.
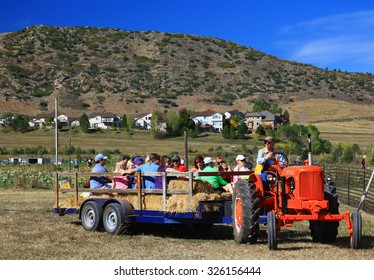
point(175, 160)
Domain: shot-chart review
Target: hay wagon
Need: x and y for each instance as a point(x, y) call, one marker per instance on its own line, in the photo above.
point(182, 201)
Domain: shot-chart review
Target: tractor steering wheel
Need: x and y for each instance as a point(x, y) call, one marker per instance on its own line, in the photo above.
point(280, 161)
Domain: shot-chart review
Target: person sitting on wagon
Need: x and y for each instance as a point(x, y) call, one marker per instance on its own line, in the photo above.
point(100, 182)
point(219, 184)
point(150, 166)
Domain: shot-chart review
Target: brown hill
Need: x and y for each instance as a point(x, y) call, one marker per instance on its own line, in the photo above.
point(93, 69)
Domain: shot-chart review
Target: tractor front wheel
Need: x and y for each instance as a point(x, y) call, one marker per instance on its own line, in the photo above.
point(272, 230)
point(356, 236)
point(326, 232)
point(246, 216)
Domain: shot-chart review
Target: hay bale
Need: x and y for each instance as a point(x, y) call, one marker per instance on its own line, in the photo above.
point(177, 203)
point(198, 186)
point(69, 202)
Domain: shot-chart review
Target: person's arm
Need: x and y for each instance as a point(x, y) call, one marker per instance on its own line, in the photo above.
point(131, 171)
point(262, 157)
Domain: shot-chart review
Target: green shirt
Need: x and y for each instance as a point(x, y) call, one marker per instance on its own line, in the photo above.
point(215, 180)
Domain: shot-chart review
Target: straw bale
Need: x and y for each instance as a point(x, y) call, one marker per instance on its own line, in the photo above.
point(177, 203)
point(198, 186)
point(69, 202)
point(181, 203)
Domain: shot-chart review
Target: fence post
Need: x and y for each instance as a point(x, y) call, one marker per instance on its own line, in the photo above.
point(76, 188)
point(363, 188)
point(349, 189)
point(57, 190)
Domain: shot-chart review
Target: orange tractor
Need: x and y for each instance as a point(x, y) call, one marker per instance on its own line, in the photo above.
point(290, 194)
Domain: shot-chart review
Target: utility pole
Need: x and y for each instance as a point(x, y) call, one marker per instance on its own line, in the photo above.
point(56, 130)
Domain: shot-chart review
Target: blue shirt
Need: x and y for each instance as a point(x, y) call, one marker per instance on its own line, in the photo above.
point(149, 181)
point(97, 182)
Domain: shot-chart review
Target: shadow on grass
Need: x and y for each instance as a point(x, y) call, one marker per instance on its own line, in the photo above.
point(225, 232)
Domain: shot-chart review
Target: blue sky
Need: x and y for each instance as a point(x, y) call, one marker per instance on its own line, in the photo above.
point(333, 34)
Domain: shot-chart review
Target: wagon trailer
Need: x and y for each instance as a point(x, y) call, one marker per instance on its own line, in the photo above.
point(115, 210)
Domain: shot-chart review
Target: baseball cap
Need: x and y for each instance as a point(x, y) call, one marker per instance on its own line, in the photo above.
point(240, 157)
point(269, 139)
point(208, 160)
point(100, 157)
point(138, 160)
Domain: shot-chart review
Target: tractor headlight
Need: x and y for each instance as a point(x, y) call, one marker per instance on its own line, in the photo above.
point(270, 178)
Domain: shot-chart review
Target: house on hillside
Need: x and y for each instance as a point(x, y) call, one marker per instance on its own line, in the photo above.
point(208, 120)
point(104, 120)
point(41, 120)
point(233, 114)
point(265, 118)
point(143, 121)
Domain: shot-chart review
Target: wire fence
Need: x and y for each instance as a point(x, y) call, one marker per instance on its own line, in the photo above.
point(350, 185)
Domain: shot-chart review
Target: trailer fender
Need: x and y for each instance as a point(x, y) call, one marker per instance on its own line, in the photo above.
point(127, 208)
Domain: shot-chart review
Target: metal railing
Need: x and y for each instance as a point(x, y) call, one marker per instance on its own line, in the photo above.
point(350, 185)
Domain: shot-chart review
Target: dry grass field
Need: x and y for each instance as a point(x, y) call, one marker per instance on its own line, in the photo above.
point(30, 231)
point(338, 121)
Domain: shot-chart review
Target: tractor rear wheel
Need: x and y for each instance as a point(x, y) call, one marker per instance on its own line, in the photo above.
point(326, 232)
point(91, 216)
point(356, 236)
point(113, 218)
point(272, 230)
point(246, 218)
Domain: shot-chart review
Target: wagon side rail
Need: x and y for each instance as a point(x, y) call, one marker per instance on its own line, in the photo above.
point(139, 191)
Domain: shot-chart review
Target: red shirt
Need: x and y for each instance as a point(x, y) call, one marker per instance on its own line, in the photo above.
point(181, 168)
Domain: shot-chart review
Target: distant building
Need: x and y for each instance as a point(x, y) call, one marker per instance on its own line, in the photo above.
point(265, 118)
point(211, 120)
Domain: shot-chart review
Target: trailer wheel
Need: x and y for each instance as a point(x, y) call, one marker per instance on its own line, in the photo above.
point(246, 216)
point(326, 232)
point(91, 216)
point(355, 240)
point(113, 218)
point(272, 230)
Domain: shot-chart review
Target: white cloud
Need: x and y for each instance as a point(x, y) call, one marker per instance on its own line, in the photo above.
point(343, 41)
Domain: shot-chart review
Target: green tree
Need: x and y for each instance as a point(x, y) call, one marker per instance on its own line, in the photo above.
point(260, 130)
point(286, 118)
point(156, 125)
point(84, 123)
point(261, 105)
point(20, 122)
point(173, 124)
point(123, 123)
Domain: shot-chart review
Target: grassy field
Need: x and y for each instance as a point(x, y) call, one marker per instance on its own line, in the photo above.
point(139, 143)
point(30, 231)
point(338, 121)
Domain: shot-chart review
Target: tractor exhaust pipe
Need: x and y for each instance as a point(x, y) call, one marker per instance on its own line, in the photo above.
point(310, 157)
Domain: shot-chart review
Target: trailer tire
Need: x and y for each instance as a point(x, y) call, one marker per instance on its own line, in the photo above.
point(272, 230)
point(355, 240)
point(113, 218)
point(326, 232)
point(91, 216)
point(246, 218)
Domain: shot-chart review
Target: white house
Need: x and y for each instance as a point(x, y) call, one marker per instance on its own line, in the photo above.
point(143, 121)
point(103, 120)
point(207, 119)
